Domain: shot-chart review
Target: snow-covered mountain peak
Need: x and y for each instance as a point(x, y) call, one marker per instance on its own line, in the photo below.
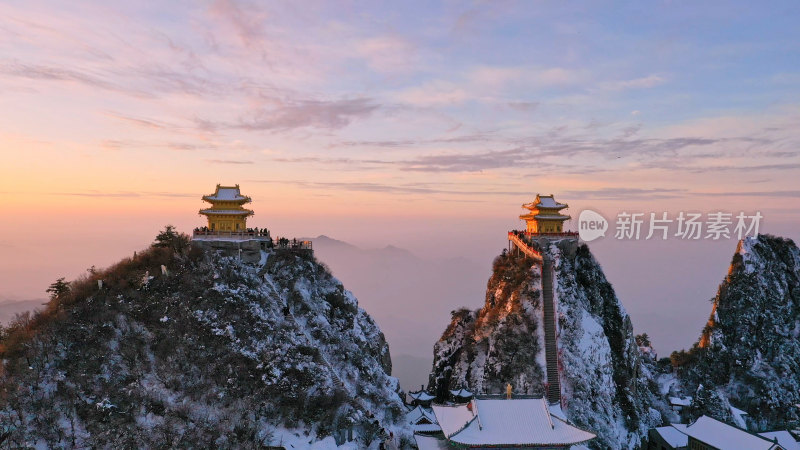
point(210, 351)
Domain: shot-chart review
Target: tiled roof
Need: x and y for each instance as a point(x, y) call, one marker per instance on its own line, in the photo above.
point(673, 437)
point(421, 396)
point(462, 393)
point(547, 201)
point(226, 193)
point(517, 422)
point(721, 435)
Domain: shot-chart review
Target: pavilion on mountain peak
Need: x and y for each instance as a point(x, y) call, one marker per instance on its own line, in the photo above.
point(227, 212)
point(545, 215)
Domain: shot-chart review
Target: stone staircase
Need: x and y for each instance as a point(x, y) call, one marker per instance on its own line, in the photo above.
point(550, 346)
point(553, 393)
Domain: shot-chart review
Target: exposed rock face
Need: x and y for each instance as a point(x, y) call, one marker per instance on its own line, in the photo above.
point(499, 343)
point(605, 386)
point(749, 352)
point(213, 352)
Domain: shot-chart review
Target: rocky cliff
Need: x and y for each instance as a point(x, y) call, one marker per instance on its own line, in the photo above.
point(749, 353)
point(605, 386)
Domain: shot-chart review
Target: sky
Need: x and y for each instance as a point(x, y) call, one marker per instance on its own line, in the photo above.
point(423, 125)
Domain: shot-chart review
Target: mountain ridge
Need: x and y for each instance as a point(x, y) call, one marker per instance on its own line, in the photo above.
point(184, 348)
point(748, 354)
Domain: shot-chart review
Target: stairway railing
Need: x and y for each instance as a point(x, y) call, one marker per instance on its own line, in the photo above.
point(524, 247)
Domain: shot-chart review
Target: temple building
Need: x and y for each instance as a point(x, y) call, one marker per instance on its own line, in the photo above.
point(421, 398)
point(423, 421)
point(461, 395)
point(545, 215)
point(516, 423)
point(226, 212)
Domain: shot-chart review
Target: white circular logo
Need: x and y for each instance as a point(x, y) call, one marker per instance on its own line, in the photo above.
point(591, 225)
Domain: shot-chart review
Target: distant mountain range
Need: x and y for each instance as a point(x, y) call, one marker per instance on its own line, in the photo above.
point(10, 308)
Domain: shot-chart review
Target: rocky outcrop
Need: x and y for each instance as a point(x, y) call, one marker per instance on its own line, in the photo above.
point(604, 386)
point(749, 352)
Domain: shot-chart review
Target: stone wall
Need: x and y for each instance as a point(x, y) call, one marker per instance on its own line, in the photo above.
point(250, 249)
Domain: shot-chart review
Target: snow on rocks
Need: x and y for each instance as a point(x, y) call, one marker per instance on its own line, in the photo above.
point(605, 387)
point(214, 351)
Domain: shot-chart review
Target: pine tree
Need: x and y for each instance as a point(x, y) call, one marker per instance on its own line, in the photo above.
point(169, 238)
point(58, 288)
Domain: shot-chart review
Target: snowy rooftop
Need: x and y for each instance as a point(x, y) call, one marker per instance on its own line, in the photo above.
point(453, 418)
point(462, 393)
point(785, 439)
point(673, 437)
point(517, 422)
point(544, 201)
point(421, 396)
point(430, 443)
point(226, 193)
point(678, 401)
point(419, 414)
point(547, 201)
point(721, 435)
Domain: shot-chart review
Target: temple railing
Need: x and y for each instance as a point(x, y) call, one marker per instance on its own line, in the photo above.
point(562, 234)
point(213, 234)
point(523, 246)
point(293, 244)
point(279, 243)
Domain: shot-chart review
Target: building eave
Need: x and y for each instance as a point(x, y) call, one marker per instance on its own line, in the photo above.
point(211, 199)
point(226, 212)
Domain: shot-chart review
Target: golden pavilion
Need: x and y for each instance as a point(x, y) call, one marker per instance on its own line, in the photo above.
point(545, 215)
point(226, 212)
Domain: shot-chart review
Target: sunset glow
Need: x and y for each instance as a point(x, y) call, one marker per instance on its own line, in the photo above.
point(379, 124)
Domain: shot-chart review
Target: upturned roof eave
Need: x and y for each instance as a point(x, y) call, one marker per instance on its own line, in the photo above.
point(230, 212)
point(242, 199)
point(545, 216)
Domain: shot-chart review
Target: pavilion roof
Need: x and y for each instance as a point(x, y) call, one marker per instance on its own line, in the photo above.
point(227, 194)
point(421, 396)
point(545, 202)
point(512, 423)
point(418, 413)
point(422, 420)
point(462, 393)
